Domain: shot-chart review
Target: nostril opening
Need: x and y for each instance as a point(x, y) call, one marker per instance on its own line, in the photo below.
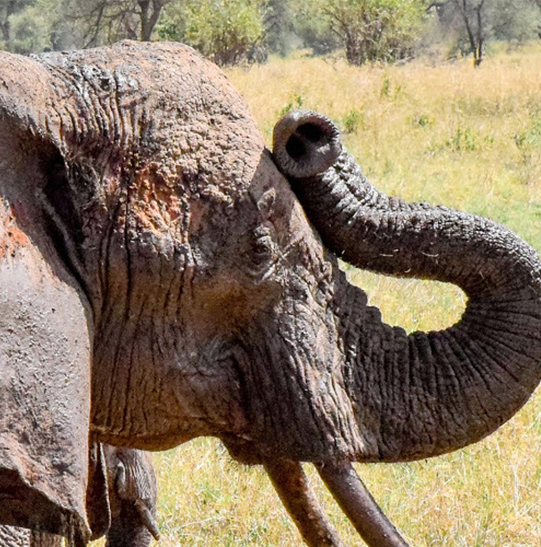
point(305, 144)
point(295, 147)
point(311, 131)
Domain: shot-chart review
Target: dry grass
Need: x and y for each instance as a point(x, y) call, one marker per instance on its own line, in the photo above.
point(445, 134)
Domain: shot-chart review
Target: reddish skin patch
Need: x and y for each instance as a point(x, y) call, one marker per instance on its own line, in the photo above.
point(11, 236)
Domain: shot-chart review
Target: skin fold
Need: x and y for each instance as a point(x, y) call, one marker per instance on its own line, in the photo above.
point(201, 293)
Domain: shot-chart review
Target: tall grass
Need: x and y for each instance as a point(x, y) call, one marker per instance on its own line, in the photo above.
point(448, 134)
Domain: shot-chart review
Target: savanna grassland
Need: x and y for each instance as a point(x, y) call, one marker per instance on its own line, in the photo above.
point(448, 134)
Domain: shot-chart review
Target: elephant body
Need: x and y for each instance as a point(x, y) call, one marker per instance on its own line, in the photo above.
point(169, 277)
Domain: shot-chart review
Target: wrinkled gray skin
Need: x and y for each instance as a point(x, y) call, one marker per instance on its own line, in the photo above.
point(201, 295)
point(129, 518)
point(132, 498)
point(11, 536)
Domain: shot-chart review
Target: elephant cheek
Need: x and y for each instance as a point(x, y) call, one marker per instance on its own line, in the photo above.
point(294, 387)
point(212, 398)
point(185, 389)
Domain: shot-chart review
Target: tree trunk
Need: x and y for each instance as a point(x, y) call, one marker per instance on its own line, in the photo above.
point(149, 15)
point(476, 39)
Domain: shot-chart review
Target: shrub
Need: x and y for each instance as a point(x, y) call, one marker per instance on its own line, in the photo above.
point(373, 30)
point(226, 31)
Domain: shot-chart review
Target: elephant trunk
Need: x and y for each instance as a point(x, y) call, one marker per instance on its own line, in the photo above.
point(422, 394)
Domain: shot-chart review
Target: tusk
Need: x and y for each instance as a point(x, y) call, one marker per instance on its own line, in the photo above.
point(147, 518)
point(359, 505)
point(121, 484)
point(292, 486)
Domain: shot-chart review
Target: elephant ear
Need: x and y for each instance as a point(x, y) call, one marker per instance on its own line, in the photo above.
point(44, 338)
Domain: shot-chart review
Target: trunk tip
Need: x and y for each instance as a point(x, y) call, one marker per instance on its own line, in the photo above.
point(305, 143)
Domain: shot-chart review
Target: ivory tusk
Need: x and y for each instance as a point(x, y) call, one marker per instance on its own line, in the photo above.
point(292, 486)
point(147, 518)
point(359, 506)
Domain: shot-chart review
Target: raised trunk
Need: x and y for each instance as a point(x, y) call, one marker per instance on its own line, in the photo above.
point(424, 394)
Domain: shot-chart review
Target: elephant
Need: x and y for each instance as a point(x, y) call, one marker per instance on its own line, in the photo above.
point(11, 536)
point(166, 276)
point(132, 497)
point(127, 517)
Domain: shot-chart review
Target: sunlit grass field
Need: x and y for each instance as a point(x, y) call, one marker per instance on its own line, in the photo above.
point(449, 134)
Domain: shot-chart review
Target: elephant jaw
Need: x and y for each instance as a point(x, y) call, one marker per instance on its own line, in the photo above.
point(165, 390)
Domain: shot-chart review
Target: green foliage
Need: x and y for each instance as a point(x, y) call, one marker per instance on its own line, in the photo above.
point(226, 31)
point(528, 143)
point(35, 25)
point(530, 136)
point(30, 31)
point(234, 31)
point(313, 28)
point(9, 11)
point(98, 22)
point(463, 140)
point(465, 25)
point(422, 120)
point(466, 140)
point(513, 21)
point(373, 30)
point(390, 90)
point(353, 121)
point(280, 26)
point(385, 90)
point(294, 104)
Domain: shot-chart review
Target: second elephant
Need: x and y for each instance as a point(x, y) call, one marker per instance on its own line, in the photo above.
point(125, 513)
point(132, 497)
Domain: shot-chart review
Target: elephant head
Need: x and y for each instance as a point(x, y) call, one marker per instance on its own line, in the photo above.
point(132, 497)
point(169, 263)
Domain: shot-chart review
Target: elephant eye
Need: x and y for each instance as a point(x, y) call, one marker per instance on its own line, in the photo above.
point(262, 250)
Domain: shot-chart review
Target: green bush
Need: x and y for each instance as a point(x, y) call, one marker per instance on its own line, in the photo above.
point(294, 104)
point(372, 30)
point(353, 121)
point(226, 31)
